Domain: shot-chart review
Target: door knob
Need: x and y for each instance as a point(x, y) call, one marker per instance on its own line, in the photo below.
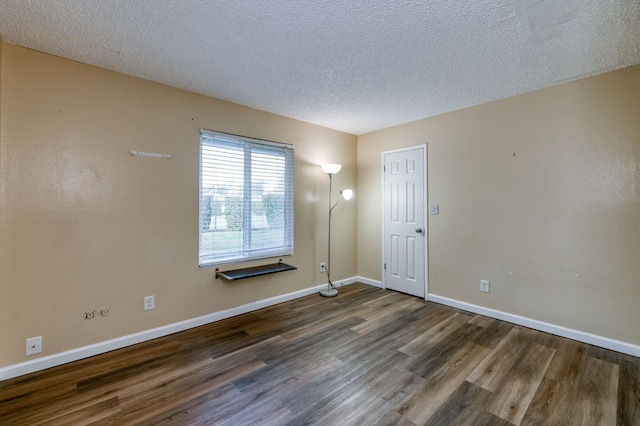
point(419, 231)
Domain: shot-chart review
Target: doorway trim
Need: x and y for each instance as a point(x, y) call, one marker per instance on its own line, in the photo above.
point(425, 213)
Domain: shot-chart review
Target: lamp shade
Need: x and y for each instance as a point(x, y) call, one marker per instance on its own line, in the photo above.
point(347, 194)
point(331, 168)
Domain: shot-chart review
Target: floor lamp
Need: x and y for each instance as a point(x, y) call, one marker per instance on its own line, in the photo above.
point(332, 169)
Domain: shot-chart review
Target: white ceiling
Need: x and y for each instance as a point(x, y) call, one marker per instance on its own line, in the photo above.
point(355, 66)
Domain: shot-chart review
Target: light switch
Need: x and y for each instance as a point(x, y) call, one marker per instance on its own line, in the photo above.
point(434, 209)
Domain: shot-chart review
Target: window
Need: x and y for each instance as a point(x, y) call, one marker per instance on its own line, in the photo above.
point(246, 198)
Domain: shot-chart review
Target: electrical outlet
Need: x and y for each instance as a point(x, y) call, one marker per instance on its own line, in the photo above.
point(323, 268)
point(484, 286)
point(149, 303)
point(34, 345)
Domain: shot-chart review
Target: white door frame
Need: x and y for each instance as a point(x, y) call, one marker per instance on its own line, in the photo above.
point(425, 212)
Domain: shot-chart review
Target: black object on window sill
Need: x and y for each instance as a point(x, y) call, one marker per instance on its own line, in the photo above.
point(255, 271)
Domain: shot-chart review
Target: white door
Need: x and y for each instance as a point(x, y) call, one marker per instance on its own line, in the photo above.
point(405, 225)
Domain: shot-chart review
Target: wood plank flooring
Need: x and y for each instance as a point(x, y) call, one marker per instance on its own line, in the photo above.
point(366, 357)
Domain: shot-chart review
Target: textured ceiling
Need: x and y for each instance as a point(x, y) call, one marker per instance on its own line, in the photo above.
point(355, 66)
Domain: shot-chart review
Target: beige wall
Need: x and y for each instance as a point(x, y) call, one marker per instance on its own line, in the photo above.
point(539, 193)
point(1, 51)
point(85, 225)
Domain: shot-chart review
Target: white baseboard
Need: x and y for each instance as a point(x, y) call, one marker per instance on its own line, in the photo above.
point(369, 281)
point(344, 282)
point(54, 360)
point(581, 336)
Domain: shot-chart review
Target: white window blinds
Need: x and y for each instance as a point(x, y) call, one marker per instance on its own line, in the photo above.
point(246, 198)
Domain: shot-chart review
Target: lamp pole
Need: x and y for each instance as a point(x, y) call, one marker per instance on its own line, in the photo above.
point(332, 169)
point(330, 291)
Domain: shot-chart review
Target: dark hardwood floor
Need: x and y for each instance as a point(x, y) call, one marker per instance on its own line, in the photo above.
point(366, 357)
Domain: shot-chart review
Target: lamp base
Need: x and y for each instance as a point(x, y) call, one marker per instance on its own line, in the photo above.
point(330, 292)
